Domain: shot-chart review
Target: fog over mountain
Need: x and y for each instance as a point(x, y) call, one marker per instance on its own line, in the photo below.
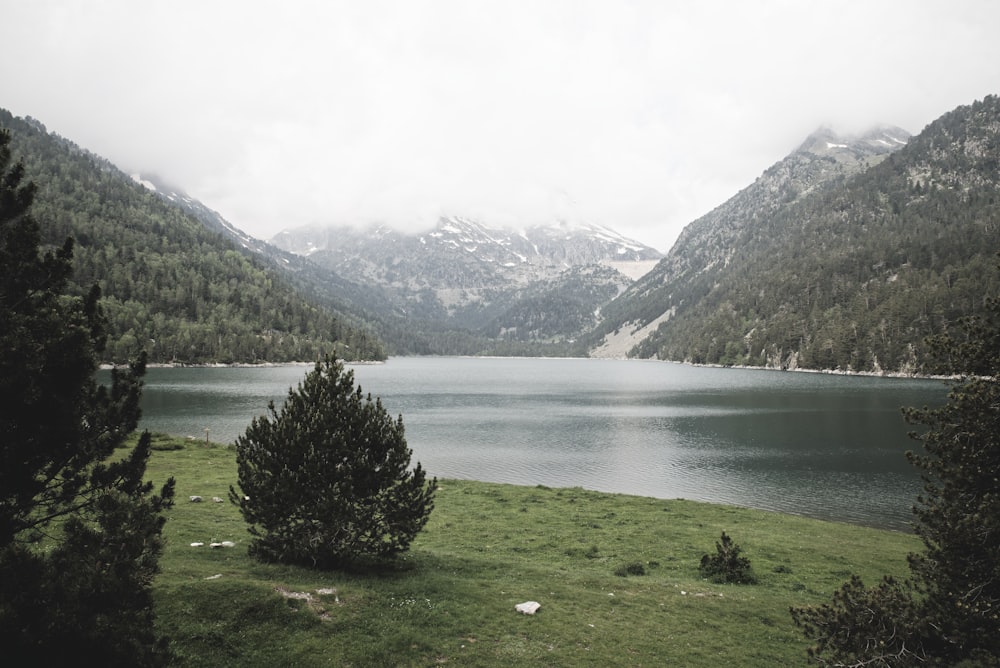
point(845, 255)
point(640, 116)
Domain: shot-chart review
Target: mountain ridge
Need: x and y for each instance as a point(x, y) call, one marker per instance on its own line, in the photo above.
point(829, 269)
point(170, 284)
point(473, 275)
point(822, 157)
point(844, 256)
point(509, 246)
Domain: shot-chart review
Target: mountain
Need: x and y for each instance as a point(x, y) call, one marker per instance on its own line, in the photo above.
point(705, 247)
point(845, 255)
point(542, 284)
point(171, 284)
point(357, 305)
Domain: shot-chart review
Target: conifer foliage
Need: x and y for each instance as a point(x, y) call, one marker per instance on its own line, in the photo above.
point(958, 516)
point(325, 481)
point(727, 564)
point(80, 532)
point(948, 612)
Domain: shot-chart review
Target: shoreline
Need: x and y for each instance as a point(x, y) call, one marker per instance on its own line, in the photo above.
point(264, 365)
point(828, 372)
point(104, 366)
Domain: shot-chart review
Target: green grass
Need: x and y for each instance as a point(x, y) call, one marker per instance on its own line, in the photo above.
point(488, 547)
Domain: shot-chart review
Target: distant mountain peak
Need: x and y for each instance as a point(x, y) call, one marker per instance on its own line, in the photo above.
point(470, 272)
point(707, 246)
point(878, 140)
point(846, 254)
point(561, 242)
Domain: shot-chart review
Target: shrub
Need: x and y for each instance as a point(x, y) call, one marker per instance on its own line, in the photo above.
point(634, 568)
point(864, 626)
point(727, 565)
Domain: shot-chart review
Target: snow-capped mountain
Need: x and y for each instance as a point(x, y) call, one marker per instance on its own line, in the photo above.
point(540, 284)
point(483, 253)
point(469, 273)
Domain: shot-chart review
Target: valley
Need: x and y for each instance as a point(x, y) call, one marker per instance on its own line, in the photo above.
point(842, 256)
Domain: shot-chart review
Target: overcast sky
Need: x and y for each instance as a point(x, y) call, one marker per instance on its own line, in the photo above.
point(640, 116)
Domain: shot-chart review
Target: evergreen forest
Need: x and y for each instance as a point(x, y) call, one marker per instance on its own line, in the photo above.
point(814, 266)
point(171, 287)
point(851, 276)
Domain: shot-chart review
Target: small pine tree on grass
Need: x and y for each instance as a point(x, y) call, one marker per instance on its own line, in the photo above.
point(948, 612)
point(727, 564)
point(325, 481)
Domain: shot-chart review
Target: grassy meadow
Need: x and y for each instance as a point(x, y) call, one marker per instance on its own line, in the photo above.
point(450, 600)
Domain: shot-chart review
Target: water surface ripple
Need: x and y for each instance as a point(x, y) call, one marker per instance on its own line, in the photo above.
point(819, 445)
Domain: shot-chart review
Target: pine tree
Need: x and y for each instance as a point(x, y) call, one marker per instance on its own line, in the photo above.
point(79, 531)
point(325, 481)
point(958, 515)
point(948, 611)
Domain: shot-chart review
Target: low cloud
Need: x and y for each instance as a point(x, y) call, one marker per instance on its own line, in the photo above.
point(638, 115)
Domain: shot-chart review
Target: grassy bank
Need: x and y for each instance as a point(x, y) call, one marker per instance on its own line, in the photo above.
point(489, 547)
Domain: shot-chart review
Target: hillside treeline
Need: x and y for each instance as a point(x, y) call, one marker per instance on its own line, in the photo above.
point(170, 286)
point(853, 276)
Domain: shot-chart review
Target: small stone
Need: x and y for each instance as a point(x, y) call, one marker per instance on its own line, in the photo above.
point(217, 499)
point(528, 607)
point(194, 499)
point(197, 544)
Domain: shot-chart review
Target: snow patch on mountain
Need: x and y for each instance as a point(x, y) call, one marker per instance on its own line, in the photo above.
point(463, 262)
point(145, 183)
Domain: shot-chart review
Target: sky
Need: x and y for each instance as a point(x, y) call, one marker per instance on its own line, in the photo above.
point(641, 116)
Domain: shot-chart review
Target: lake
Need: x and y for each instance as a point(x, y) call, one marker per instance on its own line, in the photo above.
point(825, 446)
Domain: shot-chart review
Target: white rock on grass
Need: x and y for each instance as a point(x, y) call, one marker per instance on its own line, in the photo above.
point(528, 607)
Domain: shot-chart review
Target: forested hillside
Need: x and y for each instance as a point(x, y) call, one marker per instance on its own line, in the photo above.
point(851, 274)
point(171, 286)
point(845, 255)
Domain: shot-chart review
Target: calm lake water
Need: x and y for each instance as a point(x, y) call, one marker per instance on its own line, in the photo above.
point(825, 446)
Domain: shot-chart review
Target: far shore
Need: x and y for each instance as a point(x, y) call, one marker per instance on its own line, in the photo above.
point(265, 365)
point(831, 372)
point(231, 365)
